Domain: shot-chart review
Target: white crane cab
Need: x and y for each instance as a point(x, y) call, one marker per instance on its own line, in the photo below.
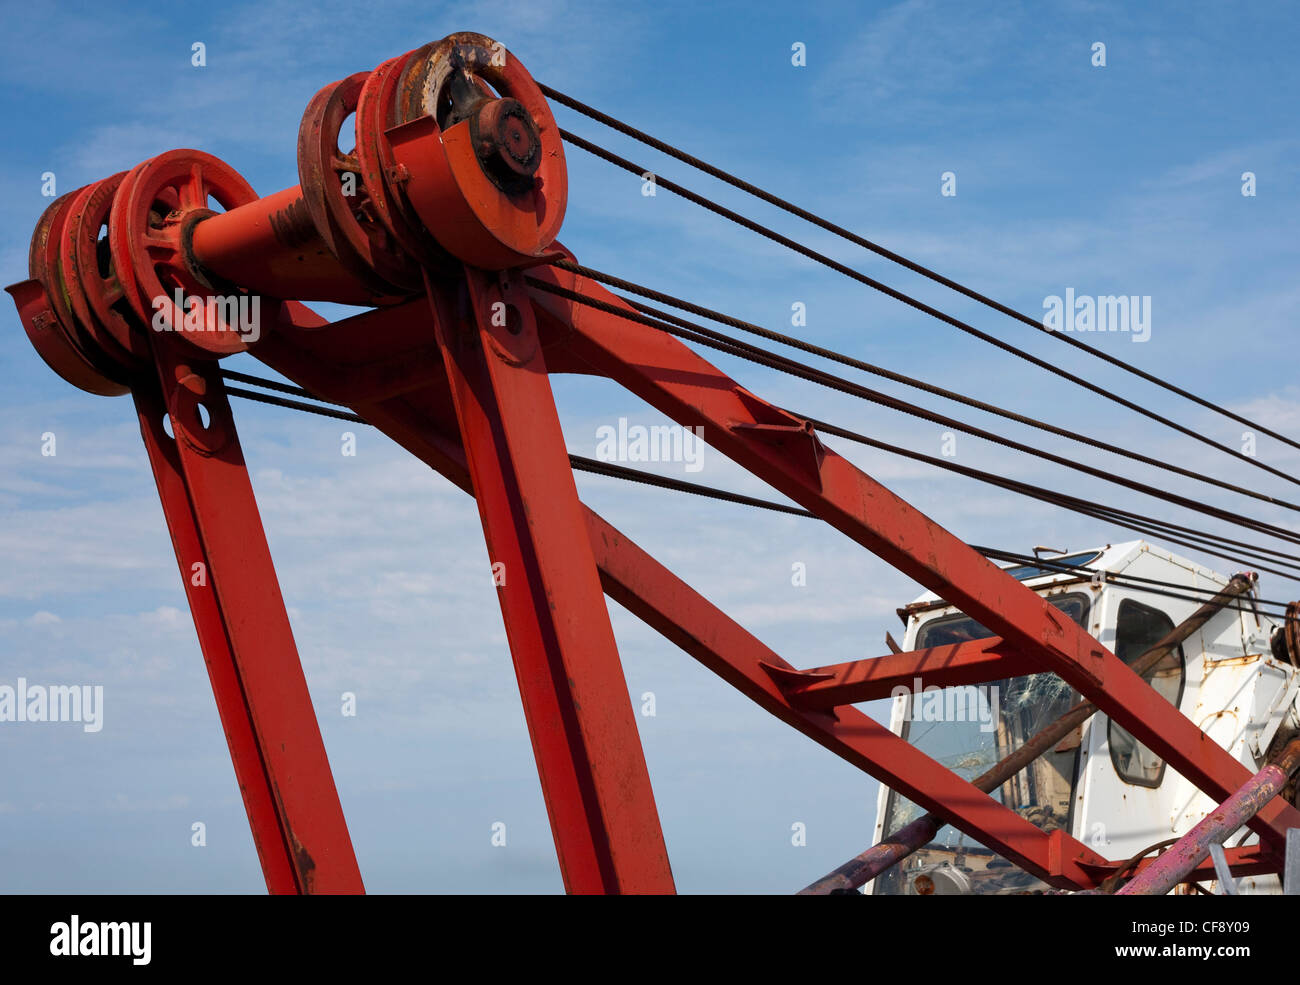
point(1233, 679)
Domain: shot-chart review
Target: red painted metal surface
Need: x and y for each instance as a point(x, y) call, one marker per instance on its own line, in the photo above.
point(43, 307)
point(149, 232)
point(341, 205)
point(450, 152)
point(971, 662)
point(271, 247)
point(458, 182)
point(275, 742)
point(95, 295)
point(579, 713)
point(278, 865)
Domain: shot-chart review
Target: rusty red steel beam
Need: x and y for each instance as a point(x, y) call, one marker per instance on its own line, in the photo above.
point(299, 349)
point(784, 450)
point(580, 716)
point(257, 679)
point(969, 662)
point(1173, 866)
point(1244, 860)
point(277, 860)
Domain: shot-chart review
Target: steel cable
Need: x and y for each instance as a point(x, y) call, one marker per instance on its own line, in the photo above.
point(593, 466)
point(919, 305)
point(890, 255)
point(905, 380)
point(697, 333)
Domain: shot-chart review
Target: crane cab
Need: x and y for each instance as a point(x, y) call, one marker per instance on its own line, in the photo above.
point(1234, 679)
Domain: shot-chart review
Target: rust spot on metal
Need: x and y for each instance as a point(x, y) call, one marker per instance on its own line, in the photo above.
point(1242, 661)
point(293, 225)
point(305, 864)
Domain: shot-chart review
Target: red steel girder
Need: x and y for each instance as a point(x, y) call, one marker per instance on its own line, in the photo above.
point(969, 662)
point(784, 451)
point(275, 743)
point(575, 697)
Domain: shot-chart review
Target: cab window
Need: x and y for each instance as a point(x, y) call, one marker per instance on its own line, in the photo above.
point(979, 726)
point(1138, 628)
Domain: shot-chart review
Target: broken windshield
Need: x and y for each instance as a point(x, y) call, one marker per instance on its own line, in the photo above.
point(968, 729)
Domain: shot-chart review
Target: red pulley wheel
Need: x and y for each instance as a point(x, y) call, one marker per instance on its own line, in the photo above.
point(152, 219)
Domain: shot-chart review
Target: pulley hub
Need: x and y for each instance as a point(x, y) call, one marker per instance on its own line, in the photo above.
point(507, 142)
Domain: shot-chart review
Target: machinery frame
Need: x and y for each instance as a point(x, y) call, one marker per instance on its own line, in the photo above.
point(451, 240)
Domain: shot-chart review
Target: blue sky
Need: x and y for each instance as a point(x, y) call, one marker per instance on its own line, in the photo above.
point(1117, 180)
